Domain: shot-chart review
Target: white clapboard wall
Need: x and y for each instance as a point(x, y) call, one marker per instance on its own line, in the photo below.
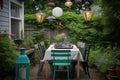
point(4, 16)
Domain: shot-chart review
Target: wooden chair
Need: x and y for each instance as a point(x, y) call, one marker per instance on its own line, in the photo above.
point(40, 51)
point(61, 58)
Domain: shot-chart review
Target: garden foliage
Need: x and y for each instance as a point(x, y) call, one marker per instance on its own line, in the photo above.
point(102, 32)
point(8, 56)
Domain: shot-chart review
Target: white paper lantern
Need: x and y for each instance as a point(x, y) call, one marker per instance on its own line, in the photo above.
point(57, 12)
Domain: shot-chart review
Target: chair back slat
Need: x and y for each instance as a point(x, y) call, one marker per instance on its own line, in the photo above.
point(64, 55)
point(87, 51)
point(61, 56)
point(40, 50)
point(61, 61)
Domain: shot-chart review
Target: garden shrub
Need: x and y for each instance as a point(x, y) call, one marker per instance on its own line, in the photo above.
point(7, 56)
point(104, 58)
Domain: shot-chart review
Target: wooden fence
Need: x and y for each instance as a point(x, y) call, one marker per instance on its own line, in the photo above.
point(49, 33)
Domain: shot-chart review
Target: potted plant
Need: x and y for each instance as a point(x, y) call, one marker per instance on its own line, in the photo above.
point(59, 39)
point(112, 66)
point(118, 69)
point(3, 34)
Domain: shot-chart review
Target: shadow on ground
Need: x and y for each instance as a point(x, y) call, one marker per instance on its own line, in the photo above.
point(95, 75)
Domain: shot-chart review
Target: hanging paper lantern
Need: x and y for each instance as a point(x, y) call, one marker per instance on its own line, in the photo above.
point(50, 18)
point(78, 1)
point(68, 3)
point(87, 15)
point(57, 12)
point(87, 3)
point(51, 4)
point(40, 16)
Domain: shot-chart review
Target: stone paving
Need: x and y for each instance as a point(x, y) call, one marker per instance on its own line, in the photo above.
point(95, 75)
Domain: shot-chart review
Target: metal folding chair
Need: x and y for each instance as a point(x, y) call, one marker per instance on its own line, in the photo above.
point(61, 58)
point(85, 57)
point(85, 50)
point(40, 51)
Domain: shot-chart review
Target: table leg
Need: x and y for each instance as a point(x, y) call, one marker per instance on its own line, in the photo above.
point(78, 66)
point(46, 69)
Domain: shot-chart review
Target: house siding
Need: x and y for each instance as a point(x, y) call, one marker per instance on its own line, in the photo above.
point(4, 17)
point(9, 22)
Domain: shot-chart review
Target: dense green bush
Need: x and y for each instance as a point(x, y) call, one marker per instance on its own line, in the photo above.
point(38, 36)
point(8, 56)
point(104, 58)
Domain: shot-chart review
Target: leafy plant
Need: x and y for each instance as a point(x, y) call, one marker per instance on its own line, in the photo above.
point(59, 37)
point(38, 36)
point(104, 58)
point(28, 41)
point(8, 56)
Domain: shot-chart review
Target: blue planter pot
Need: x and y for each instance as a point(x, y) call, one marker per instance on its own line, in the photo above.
point(60, 44)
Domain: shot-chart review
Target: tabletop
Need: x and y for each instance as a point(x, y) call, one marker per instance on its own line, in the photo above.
point(74, 53)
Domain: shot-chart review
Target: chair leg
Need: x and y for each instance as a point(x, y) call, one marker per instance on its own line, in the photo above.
point(54, 75)
point(73, 68)
point(88, 70)
point(54, 72)
point(84, 66)
point(41, 64)
point(68, 74)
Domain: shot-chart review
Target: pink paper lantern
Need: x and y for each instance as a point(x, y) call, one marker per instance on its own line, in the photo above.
point(51, 4)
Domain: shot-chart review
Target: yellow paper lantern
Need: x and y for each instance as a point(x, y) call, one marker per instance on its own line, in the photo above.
point(87, 15)
point(40, 16)
point(68, 3)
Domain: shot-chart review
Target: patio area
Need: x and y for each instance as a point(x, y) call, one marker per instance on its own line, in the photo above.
point(95, 75)
point(94, 23)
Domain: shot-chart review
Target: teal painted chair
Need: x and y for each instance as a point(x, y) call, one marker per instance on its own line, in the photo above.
point(61, 58)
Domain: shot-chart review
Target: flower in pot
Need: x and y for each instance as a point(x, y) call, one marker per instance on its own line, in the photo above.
point(59, 39)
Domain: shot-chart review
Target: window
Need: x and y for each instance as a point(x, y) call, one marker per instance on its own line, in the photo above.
point(17, 18)
point(15, 10)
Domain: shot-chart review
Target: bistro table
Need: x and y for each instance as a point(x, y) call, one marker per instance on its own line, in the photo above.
point(75, 55)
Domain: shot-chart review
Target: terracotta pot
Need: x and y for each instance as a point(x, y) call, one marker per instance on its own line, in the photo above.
point(112, 71)
point(19, 42)
point(27, 47)
point(118, 69)
point(2, 35)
